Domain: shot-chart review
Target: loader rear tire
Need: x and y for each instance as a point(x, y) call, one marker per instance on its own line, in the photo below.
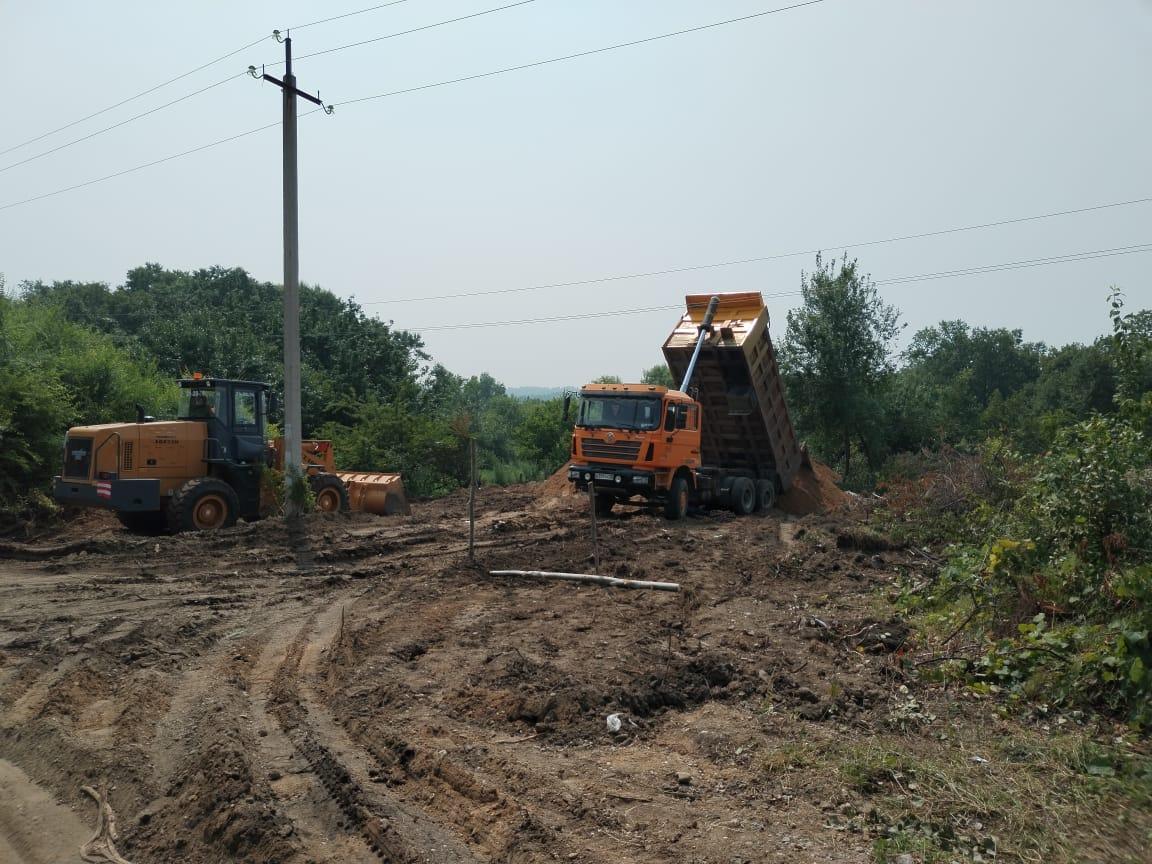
point(331, 493)
point(676, 504)
point(743, 496)
point(203, 504)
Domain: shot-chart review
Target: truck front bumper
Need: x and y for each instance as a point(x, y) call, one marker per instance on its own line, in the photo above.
point(614, 480)
point(126, 496)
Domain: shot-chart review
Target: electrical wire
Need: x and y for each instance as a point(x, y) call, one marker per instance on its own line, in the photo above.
point(588, 53)
point(1017, 265)
point(346, 15)
point(133, 98)
point(897, 280)
point(123, 122)
point(180, 77)
point(141, 167)
point(407, 32)
point(409, 90)
point(242, 74)
point(762, 258)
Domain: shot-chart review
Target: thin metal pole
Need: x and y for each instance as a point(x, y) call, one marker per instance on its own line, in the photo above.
point(471, 499)
point(292, 421)
point(595, 539)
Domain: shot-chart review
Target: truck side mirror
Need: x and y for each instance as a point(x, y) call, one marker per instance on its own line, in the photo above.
point(567, 406)
point(273, 405)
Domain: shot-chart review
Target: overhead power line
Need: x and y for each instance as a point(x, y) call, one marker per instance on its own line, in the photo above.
point(139, 95)
point(579, 54)
point(412, 30)
point(348, 15)
point(146, 164)
point(896, 280)
point(184, 75)
point(775, 257)
point(123, 122)
point(409, 90)
point(242, 74)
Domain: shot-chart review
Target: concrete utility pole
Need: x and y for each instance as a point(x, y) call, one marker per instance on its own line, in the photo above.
point(292, 423)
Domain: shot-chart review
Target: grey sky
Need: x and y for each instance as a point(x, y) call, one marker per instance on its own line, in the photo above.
point(846, 121)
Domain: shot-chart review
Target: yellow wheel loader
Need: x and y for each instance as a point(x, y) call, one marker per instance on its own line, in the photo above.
point(203, 470)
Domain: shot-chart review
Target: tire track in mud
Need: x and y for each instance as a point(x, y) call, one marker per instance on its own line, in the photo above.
point(390, 830)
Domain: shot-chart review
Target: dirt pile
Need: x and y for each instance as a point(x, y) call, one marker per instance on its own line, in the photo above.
point(814, 490)
point(557, 486)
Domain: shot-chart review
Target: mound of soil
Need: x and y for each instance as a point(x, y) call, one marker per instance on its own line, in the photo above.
point(814, 490)
point(558, 485)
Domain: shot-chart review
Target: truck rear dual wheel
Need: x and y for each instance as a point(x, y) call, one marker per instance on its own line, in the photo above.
point(331, 493)
point(744, 497)
point(676, 504)
point(765, 495)
point(203, 504)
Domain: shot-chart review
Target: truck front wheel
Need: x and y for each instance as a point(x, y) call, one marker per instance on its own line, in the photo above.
point(676, 505)
point(604, 503)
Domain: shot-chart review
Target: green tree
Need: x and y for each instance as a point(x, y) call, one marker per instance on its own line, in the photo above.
point(659, 375)
point(963, 370)
point(836, 361)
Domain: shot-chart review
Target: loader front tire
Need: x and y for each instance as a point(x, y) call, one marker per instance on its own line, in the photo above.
point(203, 504)
point(331, 493)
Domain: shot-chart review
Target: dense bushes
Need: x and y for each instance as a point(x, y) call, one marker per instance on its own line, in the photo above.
point(1051, 568)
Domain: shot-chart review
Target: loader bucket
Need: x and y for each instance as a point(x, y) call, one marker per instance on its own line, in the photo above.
point(382, 494)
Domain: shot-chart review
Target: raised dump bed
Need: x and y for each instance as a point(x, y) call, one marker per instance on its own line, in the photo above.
point(746, 427)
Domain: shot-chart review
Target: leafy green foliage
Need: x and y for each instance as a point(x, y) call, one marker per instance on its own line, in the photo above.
point(53, 374)
point(836, 361)
point(659, 375)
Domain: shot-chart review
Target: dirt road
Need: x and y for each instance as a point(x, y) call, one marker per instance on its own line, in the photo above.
point(356, 692)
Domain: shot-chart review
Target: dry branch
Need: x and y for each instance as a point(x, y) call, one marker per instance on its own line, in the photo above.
point(607, 581)
point(101, 849)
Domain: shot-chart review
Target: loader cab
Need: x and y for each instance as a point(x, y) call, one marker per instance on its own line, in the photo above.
point(236, 414)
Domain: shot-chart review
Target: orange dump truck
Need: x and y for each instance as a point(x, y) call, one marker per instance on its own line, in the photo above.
point(722, 439)
point(204, 469)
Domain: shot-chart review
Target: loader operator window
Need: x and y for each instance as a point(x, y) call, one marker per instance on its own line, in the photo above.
point(245, 411)
point(619, 412)
point(198, 403)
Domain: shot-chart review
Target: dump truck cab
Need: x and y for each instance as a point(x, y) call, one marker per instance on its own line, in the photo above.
point(632, 439)
point(723, 438)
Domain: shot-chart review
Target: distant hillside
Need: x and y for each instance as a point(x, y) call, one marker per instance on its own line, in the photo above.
point(535, 392)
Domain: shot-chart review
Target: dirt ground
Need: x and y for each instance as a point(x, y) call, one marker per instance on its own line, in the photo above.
point(354, 691)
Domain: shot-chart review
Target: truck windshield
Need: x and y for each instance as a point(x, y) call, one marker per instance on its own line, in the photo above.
point(619, 412)
point(198, 403)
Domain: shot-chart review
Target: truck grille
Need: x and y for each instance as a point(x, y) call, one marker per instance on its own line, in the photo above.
point(128, 455)
point(597, 448)
point(78, 458)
